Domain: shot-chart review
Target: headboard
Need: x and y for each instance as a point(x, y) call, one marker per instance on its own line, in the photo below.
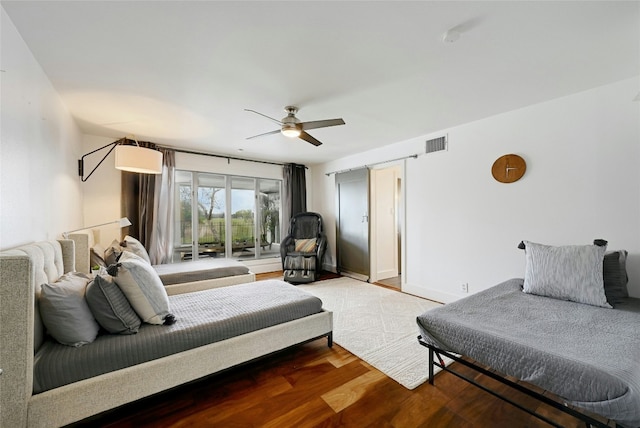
point(23, 270)
point(83, 242)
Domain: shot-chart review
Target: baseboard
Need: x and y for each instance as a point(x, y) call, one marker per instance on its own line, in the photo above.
point(354, 275)
point(329, 268)
point(431, 294)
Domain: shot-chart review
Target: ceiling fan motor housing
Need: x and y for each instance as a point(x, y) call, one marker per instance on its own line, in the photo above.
point(291, 120)
point(290, 124)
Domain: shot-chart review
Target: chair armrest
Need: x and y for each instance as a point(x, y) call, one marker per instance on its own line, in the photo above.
point(320, 250)
point(284, 247)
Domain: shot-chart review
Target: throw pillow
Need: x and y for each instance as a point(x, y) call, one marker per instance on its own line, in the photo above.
point(133, 245)
point(305, 245)
point(97, 256)
point(65, 312)
point(112, 253)
point(110, 307)
point(143, 288)
point(615, 276)
point(571, 272)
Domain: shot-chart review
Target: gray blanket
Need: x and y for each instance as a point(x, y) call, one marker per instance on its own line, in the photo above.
point(199, 270)
point(588, 355)
point(203, 317)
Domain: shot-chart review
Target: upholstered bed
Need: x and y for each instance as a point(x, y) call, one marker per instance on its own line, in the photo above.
point(181, 277)
point(43, 384)
point(587, 354)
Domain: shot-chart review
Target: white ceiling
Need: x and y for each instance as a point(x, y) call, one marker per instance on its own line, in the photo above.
point(182, 73)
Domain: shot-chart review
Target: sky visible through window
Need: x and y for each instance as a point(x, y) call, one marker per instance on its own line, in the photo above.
point(240, 200)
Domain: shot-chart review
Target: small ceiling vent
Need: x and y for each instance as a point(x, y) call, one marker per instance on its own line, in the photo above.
point(436, 145)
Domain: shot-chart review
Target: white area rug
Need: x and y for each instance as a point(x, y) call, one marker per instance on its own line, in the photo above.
point(378, 325)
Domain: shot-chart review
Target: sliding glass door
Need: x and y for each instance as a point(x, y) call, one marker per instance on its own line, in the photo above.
point(226, 216)
point(243, 214)
point(211, 221)
point(269, 207)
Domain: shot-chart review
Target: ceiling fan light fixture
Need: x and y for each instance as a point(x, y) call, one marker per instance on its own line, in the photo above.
point(291, 131)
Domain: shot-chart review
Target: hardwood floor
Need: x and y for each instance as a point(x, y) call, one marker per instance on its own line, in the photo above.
point(315, 386)
point(394, 283)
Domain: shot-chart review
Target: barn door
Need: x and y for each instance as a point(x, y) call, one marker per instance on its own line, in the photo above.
point(352, 223)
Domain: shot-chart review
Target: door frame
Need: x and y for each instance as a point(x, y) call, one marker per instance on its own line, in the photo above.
point(400, 214)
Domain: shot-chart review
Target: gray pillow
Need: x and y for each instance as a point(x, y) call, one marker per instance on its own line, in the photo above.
point(132, 244)
point(615, 276)
point(97, 256)
point(573, 272)
point(112, 253)
point(110, 307)
point(65, 312)
point(143, 288)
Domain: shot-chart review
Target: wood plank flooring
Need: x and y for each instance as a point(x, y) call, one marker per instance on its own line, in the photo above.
point(313, 385)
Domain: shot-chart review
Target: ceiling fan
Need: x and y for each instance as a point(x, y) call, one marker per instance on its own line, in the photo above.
point(291, 126)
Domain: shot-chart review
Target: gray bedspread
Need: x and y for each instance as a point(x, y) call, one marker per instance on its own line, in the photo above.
point(203, 317)
point(588, 355)
point(199, 270)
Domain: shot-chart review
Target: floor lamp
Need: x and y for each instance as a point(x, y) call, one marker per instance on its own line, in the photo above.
point(123, 222)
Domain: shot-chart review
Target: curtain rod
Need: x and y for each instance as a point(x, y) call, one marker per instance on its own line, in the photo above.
point(371, 164)
point(228, 158)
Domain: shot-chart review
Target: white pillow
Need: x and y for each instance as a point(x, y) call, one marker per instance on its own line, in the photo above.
point(143, 288)
point(571, 272)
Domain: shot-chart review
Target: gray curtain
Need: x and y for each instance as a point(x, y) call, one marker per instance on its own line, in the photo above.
point(161, 240)
point(294, 193)
point(137, 199)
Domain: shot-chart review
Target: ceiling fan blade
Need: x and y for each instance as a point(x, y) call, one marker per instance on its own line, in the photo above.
point(264, 115)
point(309, 139)
point(321, 123)
point(277, 131)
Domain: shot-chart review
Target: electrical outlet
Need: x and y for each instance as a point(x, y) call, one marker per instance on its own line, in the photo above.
point(464, 287)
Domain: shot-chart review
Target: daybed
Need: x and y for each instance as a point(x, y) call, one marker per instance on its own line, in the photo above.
point(177, 277)
point(23, 271)
point(587, 354)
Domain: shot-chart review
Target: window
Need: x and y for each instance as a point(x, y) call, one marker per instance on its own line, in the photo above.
point(226, 216)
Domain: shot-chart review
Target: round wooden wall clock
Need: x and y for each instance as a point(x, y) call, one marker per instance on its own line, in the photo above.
point(508, 168)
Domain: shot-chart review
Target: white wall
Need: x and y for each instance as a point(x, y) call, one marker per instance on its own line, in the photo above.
point(582, 182)
point(102, 190)
point(218, 165)
point(39, 147)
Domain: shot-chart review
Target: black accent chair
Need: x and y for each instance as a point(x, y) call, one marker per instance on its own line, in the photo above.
point(302, 250)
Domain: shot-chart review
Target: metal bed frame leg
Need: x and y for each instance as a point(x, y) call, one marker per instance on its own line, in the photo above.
point(430, 366)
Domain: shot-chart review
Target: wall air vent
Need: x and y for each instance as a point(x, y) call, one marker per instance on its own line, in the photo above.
point(436, 145)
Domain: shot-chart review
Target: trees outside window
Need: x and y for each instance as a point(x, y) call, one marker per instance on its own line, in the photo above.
point(208, 219)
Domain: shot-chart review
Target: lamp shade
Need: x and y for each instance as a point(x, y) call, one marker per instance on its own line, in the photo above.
point(138, 159)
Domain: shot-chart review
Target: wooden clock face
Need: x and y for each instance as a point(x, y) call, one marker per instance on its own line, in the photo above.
point(508, 168)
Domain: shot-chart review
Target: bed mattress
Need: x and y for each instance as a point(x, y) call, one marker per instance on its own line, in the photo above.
point(199, 270)
point(588, 355)
point(203, 317)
